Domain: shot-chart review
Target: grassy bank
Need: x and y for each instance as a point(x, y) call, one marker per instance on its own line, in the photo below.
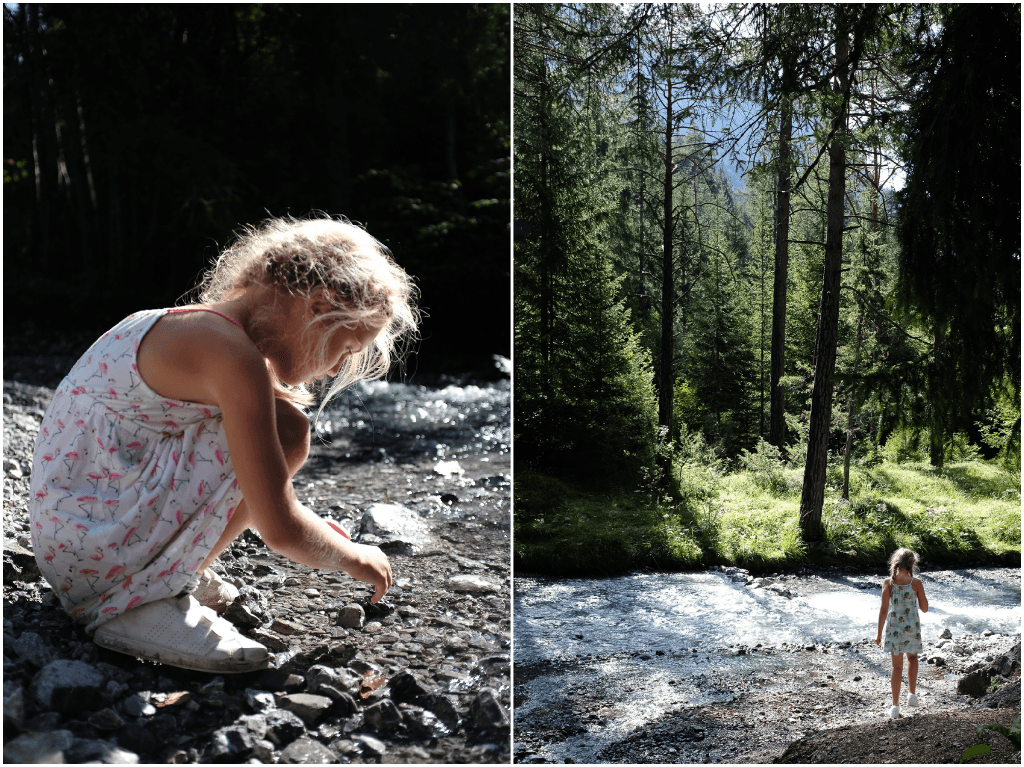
point(959, 515)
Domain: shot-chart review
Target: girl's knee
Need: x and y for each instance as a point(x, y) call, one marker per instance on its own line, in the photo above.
point(293, 433)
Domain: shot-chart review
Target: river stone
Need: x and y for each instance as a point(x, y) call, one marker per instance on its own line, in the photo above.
point(250, 608)
point(351, 617)
point(283, 726)
point(14, 705)
point(339, 678)
point(397, 524)
point(138, 705)
point(383, 717)
point(68, 686)
point(486, 712)
point(472, 584)
point(38, 748)
point(946, 634)
point(259, 700)
point(106, 719)
point(19, 563)
point(974, 684)
point(369, 744)
point(307, 751)
point(307, 707)
point(240, 738)
point(84, 751)
point(33, 649)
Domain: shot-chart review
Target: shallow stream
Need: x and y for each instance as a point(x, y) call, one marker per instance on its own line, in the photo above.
point(654, 642)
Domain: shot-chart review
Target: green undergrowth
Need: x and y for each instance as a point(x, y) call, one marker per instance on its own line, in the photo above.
point(962, 514)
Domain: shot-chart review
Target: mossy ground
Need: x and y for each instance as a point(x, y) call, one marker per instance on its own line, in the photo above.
point(959, 515)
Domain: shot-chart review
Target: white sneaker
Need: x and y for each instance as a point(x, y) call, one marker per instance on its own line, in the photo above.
point(214, 592)
point(181, 632)
point(913, 701)
point(894, 712)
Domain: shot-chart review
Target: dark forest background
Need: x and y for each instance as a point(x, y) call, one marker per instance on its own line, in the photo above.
point(138, 138)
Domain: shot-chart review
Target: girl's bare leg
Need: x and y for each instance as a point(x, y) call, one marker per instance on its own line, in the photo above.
point(912, 672)
point(293, 432)
point(897, 676)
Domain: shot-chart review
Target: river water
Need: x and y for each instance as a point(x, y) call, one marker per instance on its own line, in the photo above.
point(653, 642)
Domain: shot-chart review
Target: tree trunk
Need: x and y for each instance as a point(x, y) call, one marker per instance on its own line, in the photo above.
point(665, 388)
point(777, 421)
point(813, 495)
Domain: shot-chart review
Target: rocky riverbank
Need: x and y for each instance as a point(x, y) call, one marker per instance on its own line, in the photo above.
point(806, 702)
point(422, 678)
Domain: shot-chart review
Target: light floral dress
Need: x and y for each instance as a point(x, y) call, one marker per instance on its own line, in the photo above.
point(130, 490)
point(903, 624)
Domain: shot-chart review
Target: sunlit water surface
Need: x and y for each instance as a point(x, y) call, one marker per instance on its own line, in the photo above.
point(664, 617)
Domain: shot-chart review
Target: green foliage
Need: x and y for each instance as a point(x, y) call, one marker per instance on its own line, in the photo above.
point(1012, 733)
point(767, 467)
point(910, 445)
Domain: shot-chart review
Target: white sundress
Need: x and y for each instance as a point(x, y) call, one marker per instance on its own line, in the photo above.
point(903, 623)
point(130, 490)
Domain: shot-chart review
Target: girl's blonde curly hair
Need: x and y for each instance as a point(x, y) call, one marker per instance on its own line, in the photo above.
point(362, 285)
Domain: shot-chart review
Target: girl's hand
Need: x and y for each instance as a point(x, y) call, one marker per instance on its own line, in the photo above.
point(370, 565)
point(878, 640)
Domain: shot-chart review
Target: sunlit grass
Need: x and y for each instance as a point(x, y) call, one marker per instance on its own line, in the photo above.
point(961, 514)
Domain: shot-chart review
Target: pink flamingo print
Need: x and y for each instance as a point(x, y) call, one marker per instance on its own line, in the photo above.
point(91, 575)
point(42, 494)
point(207, 412)
point(71, 457)
point(114, 571)
point(78, 390)
point(110, 609)
point(49, 557)
point(56, 524)
point(131, 532)
point(230, 512)
point(86, 500)
point(192, 459)
point(202, 484)
point(179, 517)
point(103, 368)
point(172, 425)
point(200, 537)
point(134, 445)
point(219, 455)
point(199, 431)
point(134, 601)
point(98, 556)
point(174, 456)
point(77, 611)
point(82, 531)
point(67, 585)
point(113, 393)
point(50, 457)
point(207, 510)
point(173, 569)
point(126, 583)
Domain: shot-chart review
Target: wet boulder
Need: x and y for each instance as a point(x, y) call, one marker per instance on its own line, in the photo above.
point(307, 751)
point(38, 748)
point(68, 686)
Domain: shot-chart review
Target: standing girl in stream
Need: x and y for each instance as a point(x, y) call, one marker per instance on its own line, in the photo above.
point(179, 428)
point(901, 595)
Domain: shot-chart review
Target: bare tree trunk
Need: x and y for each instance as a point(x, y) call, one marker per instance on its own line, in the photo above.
point(665, 387)
point(777, 420)
point(813, 495)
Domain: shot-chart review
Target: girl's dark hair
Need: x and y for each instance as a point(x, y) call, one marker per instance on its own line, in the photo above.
point(904, 558)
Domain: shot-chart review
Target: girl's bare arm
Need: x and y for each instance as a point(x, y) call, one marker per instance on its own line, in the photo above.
point(226, 369)
point(922, 600)
point(886, 588)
